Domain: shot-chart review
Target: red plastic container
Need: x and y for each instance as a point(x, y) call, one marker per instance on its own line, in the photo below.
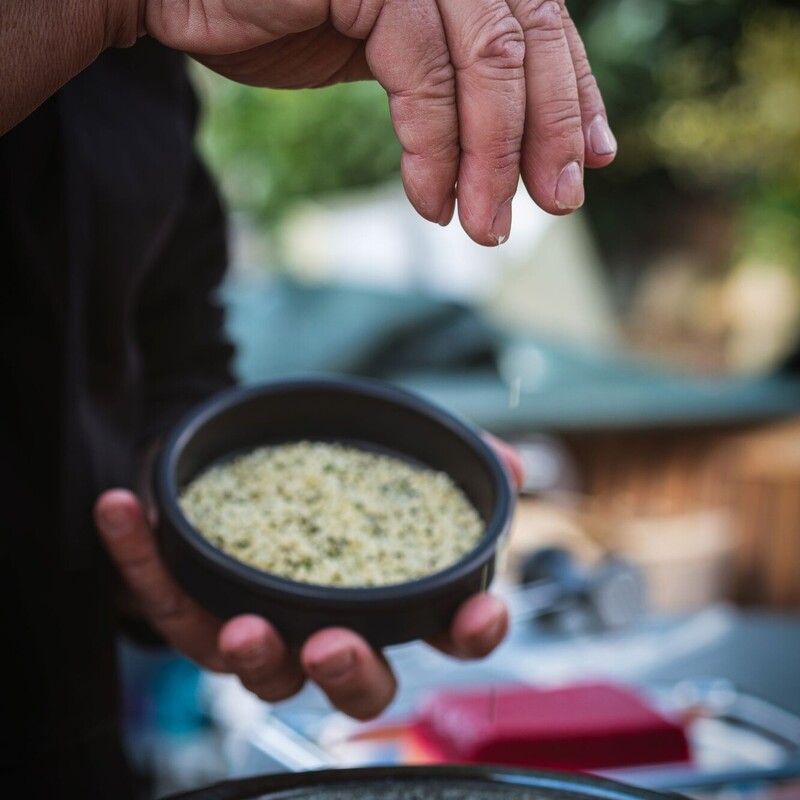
point(584, 727)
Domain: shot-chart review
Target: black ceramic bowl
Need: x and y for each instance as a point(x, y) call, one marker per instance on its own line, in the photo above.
point(423, 783)
point(360, 413)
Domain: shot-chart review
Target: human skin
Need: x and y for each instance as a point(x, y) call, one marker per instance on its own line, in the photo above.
point(357, 680)
point(481, 92)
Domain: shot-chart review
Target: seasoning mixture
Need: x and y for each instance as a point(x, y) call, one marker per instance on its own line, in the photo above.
point(332, 515)
point(432, 789)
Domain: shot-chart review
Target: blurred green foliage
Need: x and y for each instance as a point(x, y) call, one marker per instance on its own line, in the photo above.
point(270, 148)
point(745, 135)
point(704, 96)
point(748, 128)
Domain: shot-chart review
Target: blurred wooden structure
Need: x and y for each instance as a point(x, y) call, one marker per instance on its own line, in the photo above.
point(747, 478)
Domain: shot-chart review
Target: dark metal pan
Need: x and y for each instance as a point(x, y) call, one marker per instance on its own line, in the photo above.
point(422, 783)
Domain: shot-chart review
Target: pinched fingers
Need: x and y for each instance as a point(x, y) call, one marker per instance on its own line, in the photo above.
point(357, 680)
point(482, 90)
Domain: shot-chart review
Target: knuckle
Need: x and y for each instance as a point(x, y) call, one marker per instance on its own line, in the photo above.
point(432, 152)
point(580, 64)
point(587, 83)
point(355, 18)
point(543, 20)
point(560, 117)
point(136, 558)
point(438, 76)
point(503, 161)
point(435, 83)
point(498, 41)
point(168, 606)
point(506, 161)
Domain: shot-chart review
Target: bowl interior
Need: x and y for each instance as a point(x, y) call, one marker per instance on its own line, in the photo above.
point(370, 418)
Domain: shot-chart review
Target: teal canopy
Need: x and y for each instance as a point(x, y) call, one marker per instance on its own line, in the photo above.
point(503, 382)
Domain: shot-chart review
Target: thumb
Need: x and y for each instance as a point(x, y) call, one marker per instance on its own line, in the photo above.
point(510, 458)
point(128, 537)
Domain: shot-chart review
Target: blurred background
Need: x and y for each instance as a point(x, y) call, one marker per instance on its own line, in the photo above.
point(692, 235)
point(642, 353)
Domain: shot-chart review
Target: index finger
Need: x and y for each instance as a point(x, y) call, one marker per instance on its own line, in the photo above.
point(487, 49)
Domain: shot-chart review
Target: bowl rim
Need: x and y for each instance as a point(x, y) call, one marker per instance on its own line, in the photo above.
point(263, 582)
point(552, 783)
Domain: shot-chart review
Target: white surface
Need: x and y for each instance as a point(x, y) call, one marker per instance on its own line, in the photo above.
point(545, 277)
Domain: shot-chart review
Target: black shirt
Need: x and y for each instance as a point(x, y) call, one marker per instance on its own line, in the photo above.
point(111, 243)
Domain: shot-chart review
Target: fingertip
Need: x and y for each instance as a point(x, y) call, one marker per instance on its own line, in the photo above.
point(448, 210)
point(355, 678)
point(429, 187)
point(515, 467)
point(478, 224)
point(115, 511)
point(501, 225)
point(331, 653)
point(594, 161)
point(479, 626)
point(601, 144)
point(115, 498)
point(242, 633)
point(253, 650)
point(569, 193)
point(555, 181)
point(511, 458)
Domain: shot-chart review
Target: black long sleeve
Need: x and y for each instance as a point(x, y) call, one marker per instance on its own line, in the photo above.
point(180, 323)
point(111, 243)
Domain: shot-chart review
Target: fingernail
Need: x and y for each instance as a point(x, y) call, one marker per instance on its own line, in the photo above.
point(116, 521)
point(601, 139)
point(501, 226)
point(486, 637)
point(336, 665)
point(569, 189)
